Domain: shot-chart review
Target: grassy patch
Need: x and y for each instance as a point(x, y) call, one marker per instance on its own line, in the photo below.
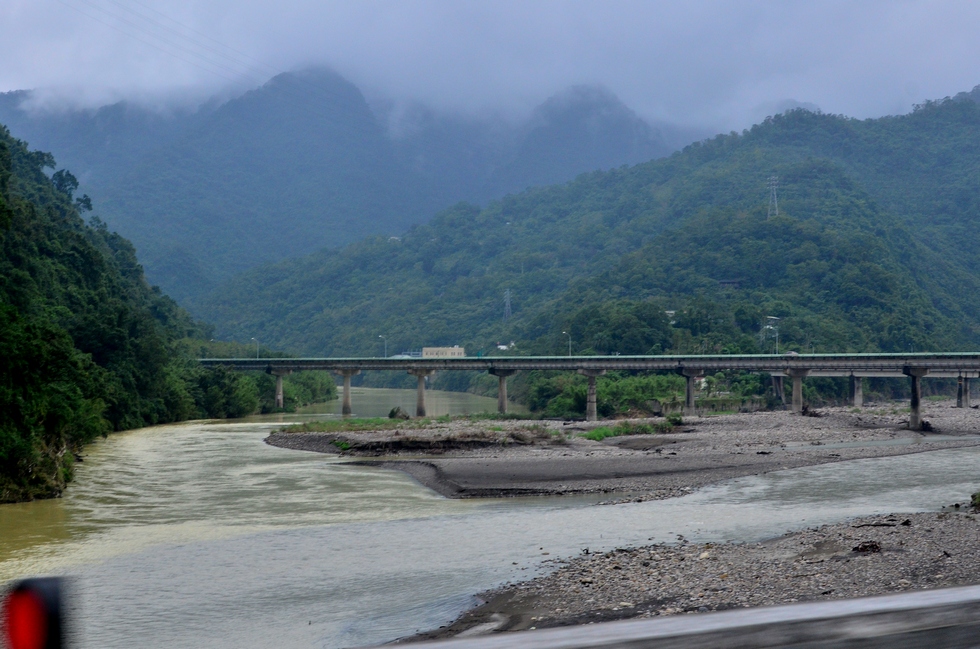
point(628, 428)
point(350, 425)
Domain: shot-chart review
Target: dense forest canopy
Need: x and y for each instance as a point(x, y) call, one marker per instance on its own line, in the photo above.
point(88, 346)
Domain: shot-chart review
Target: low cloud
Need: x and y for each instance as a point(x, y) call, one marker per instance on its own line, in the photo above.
point(694, 63)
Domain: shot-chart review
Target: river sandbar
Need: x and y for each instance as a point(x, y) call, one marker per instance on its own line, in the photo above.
point(485, 458)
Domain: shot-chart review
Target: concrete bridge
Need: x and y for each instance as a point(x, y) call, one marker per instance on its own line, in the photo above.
point(959, 365)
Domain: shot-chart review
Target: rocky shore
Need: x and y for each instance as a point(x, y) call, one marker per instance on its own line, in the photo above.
point(868, 556)
point(466, 458)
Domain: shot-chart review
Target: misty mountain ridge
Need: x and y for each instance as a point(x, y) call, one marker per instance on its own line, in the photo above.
point(582, 128)
point(303, 162)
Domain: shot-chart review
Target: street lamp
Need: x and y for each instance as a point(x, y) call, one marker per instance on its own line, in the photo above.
point(569, 342)
point(256, 348)
point(386, 345)
point(773, 325)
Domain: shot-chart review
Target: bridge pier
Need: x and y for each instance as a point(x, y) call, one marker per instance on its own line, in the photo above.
point(590, 408)
point(963, 392)
point(856, 398)
point(346, 409)
point(502, 388)
point(280, 398)
point(915, 374)
point(420, 400)
point(797, 376)
point(691, 374)
point(777, 387)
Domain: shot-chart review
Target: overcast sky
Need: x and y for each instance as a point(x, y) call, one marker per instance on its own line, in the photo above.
point(717, 64)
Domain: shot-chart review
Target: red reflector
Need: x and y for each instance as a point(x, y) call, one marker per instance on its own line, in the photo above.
point(27, 621)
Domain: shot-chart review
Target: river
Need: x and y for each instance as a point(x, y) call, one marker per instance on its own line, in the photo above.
point(200, 534)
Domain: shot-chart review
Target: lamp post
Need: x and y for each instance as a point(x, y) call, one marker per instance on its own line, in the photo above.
point(256, 348)
point(386, 345)
point(569, 342)
point(773, 325)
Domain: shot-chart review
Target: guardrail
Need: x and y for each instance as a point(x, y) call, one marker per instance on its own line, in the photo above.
point(938, 364)
point(937, 619)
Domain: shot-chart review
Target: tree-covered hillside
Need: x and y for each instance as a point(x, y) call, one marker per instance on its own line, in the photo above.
point(855, 260)
point(88, 346)
point(304, 162)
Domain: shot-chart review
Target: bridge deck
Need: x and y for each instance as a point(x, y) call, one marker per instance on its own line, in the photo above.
point(966, 364)
point(961, 365)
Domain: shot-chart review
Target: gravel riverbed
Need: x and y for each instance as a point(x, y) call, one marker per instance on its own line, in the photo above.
point(863, 557)
point(466, 458)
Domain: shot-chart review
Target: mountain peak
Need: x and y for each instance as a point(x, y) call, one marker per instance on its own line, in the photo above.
point(581, 101)
point(580, 129)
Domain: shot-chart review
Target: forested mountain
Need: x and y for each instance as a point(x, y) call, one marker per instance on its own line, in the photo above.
point(87, 346)
point(872, 250)
point(304, 163)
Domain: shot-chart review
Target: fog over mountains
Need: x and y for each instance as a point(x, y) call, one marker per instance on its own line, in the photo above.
point(303, 162)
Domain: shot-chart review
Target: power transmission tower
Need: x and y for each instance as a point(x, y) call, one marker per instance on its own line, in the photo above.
point(506, 305)
point(773, 201)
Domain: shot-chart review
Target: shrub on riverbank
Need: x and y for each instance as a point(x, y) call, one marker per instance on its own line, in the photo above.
point(628, 428)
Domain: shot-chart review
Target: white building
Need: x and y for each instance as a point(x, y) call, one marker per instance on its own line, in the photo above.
point(443, 352)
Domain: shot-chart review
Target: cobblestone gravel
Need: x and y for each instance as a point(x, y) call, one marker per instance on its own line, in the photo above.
point(867, 556)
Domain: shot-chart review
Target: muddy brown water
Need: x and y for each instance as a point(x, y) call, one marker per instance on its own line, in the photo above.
point(200, 534)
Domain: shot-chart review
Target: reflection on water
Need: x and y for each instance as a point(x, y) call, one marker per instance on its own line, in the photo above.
point(202, 535)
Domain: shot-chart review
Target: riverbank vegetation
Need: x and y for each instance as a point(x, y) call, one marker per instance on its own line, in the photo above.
point(629, 428)
point(88, 346)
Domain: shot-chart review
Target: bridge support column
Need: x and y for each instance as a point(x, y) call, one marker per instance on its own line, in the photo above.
point(777, 387)
point(963, 392)
point(691, 374)
point(502, 388)
point(797, 376)
point(420, 400)
point(590, 409)
point(280, 399)
point(915, 374)
point(345, 408)
point(856, 393)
